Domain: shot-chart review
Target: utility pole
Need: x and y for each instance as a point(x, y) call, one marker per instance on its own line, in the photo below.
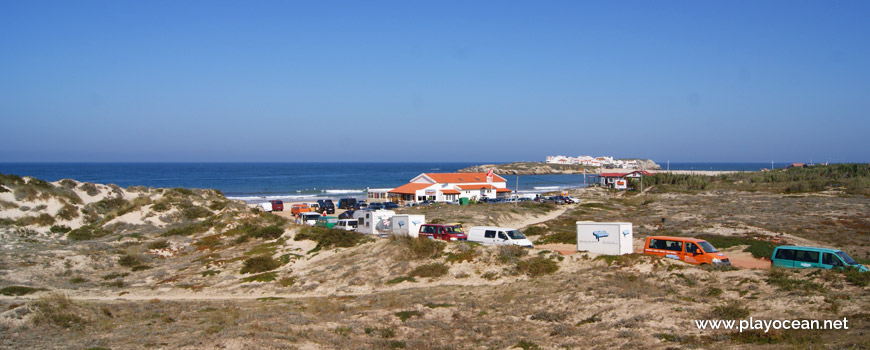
point(517, 203)
point(771, 165)
point(669, 166)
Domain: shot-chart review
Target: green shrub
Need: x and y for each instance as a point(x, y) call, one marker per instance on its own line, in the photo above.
point(418, 248)
point(430, 270)
point(68, 212)
point(464, 252)
point(527, 345)
point(508, 254)
point(856, 276)
point(40, 220)
point(405, 315)
point(782, 278)
point(535, 231)
point(90, 189)
point(140, 268)
point(87, 232)
point(160, 244)
point(128, 261)
point(260, 263)
point(398, 280)
point(263, 277)
point(217, 205)
point(195, 212)
point(19, 290)
point(58, 310)
point(60, 229)
point(115, 275)
point(77, 280)
point(733, 310)
point(537, 266)
point(161, 206)
point(268, 232)
point(327, 238)
point(191, 229)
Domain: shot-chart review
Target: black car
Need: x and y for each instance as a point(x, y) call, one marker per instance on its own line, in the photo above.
point(390, 205)
point(326, 206)
point(360, 205)
point(347, 203)
point(346, 215)
point(375, 206)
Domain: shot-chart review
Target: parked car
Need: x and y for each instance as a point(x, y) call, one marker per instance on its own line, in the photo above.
point(442, 232)
point(348, 214)
point(390, 205)
point(489, 235)
point(326, 206)
point(690, 250)
point(809, 257)
point(314, 207)
point(375, 206)
point(346, 224)
point(277, 205)
point(309, 218)
point(347, 203)
point(360, 205)
point(296, 209)
point(326, 221)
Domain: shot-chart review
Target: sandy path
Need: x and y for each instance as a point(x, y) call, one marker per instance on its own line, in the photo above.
point(522, 223)
point(746, 260)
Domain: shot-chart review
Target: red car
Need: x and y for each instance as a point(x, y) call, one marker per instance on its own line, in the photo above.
point(277, 205)
point(442, 232)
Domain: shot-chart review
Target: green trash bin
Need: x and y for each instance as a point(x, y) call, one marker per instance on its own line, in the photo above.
point(463, 201)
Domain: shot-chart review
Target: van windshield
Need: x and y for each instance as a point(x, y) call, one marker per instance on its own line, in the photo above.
point(453, 229)
point(848, 259)
point(514, 234)
point(708, 248)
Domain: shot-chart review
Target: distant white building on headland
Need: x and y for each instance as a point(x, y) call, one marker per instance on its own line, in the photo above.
point(594, 161)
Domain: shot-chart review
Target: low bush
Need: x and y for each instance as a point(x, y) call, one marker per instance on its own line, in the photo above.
point(510, 254)
point(758, 248)
point(40, 220)
point(535, 231)
point(89, 188)
point(68, 212)
point(195, 212)
point(464, 251)
point(191, 229)
point(430, 270)
point(418, 248)
point(398, 280)
point(328, 238)
point(128, 261)
point(268, 232)
point(856, 276)
point(160, 244)
point(259, 264)
point(537, 266)
point(782, 278)
point(60, 229)
point(58, 310)
point(263, 277)
point(733, 310)
point(87, 232)
point(405, 315)
point(19, 290)
point(550, 316)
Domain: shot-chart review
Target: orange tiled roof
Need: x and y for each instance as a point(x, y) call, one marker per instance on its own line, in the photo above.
point(502, 190)
point(449, 191)
point(476, 187)
point(462, 177)
point(409, 188)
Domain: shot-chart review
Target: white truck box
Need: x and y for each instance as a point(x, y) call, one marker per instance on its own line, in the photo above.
point(407, 225)
point(610, 238)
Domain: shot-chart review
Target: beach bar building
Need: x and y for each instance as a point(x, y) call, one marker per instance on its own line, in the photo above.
point(619, 181)
point(447, 187)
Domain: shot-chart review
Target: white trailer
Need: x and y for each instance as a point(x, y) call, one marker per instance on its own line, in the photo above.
point(407, 225)
point(265, 206)
point(373, 222)
point(610, 238)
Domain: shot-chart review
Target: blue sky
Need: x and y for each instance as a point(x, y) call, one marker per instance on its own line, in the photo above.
point(434, 81)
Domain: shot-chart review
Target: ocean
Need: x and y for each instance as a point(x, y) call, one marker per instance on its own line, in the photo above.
point(256, 182)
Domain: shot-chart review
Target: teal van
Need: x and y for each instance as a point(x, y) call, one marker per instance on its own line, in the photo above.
point(326, 221)
point(809, 257)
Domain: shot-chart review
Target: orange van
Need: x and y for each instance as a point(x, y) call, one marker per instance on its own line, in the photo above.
point(691, 250)
point(299, 208)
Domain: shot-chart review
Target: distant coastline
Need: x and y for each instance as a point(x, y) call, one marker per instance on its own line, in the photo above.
point(542, 168)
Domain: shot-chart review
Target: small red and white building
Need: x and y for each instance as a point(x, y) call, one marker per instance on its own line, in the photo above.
point(619, 181)
point(447, 187)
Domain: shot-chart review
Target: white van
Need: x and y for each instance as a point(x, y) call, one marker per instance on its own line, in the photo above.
point(308, 218)
point(346, 224)
point(490, 235)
